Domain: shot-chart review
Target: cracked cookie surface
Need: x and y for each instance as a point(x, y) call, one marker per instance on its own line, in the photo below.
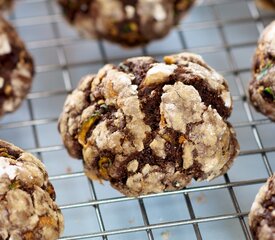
point(262, 213)
point(16, 69)
point(262, 86)
point(127, 22)
point(150, 127)
point(27, 199)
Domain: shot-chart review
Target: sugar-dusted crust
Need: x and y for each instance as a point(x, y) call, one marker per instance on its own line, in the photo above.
point(150, 127)
point(262, 86)
point(27, 199)
point(16, 69)
point(127, 22)
point(262, 213)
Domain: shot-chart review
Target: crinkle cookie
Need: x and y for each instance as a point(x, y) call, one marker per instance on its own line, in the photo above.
point(266, 4)
point(150, 127)
point(127, 22)
point(16, 69)
point(262, 86)
point(27, 199)
point(6, 4)
point(262, 213)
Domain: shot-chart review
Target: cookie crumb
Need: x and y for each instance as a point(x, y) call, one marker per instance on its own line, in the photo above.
point(201, 198)
point(69, 170)
point(132, 221)
point(165, 235)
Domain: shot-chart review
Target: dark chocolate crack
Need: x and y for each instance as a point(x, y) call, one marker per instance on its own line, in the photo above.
point(209, 96)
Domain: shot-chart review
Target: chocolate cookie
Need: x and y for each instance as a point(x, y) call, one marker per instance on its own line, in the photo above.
point(266, 4)
point(262, 213)
point(127, 22)
point(262, 86)
point(149, 127)
point(16, 69)
point(27, 198)
point(6, 4)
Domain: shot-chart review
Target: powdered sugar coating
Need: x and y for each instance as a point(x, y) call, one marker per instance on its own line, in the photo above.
point(9, 170)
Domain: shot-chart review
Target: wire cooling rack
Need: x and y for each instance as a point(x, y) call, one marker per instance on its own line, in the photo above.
point(225, 33)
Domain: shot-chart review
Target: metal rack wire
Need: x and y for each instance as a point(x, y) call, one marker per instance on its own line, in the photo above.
point(38, 117)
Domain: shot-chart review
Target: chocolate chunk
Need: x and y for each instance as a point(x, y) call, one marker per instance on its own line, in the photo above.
point(127, 22)
point(162, 125)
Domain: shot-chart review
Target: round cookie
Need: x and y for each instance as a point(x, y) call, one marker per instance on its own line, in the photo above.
point(16, 69)
point(262, 86)
point(127, 22)
point(150, 127)
point(5, 4)
point(266, 4)
point(27, 198)
point(262, 213)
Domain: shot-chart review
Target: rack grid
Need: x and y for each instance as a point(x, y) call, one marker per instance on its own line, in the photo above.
point(225, 33)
